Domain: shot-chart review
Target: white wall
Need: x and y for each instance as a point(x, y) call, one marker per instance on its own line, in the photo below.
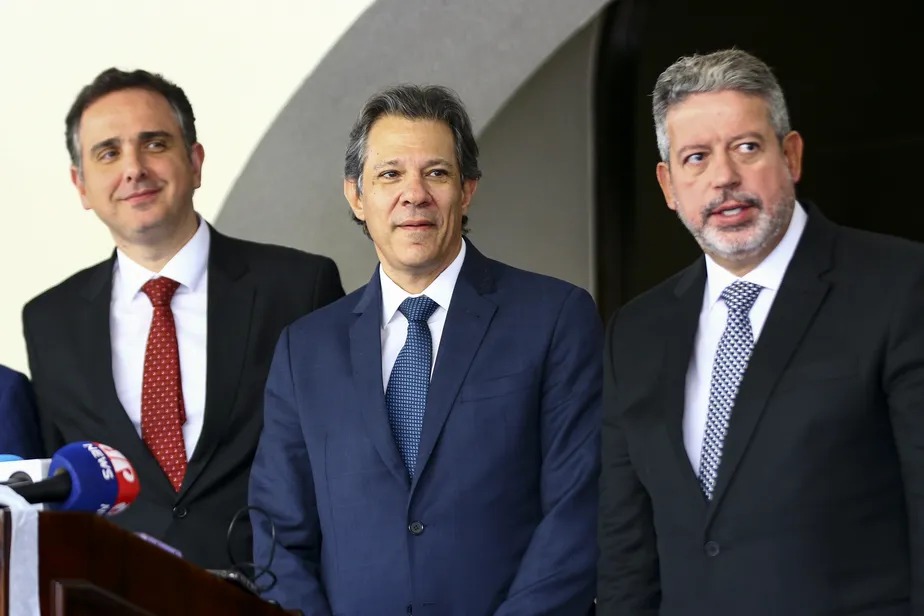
point(238, 61)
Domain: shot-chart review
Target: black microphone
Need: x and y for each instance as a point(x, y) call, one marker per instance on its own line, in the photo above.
point(16, 479)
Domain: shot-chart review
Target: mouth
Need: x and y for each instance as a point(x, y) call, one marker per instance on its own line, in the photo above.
point(733, 212)
point(416, 225)
point(142, 196)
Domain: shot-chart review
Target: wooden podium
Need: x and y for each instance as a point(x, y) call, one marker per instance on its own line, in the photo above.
point(87, 565)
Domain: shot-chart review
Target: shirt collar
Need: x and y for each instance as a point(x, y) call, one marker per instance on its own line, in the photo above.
point(440, 290)
point(769, 273)
point(188, 266)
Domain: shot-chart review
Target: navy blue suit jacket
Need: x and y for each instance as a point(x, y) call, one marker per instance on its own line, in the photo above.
point(19, 430)
point(500, 518)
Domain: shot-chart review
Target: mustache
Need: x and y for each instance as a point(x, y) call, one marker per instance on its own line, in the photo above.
point(726, 196)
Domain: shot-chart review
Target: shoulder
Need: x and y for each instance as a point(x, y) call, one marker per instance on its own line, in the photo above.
point(9, 376)
point(515, 284)
point(269, 256)
point(872, 254)
point(649, 304)
point(329, 320)
point(56, 298)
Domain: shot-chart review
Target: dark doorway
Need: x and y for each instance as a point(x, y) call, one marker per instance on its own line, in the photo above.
point(848, 76)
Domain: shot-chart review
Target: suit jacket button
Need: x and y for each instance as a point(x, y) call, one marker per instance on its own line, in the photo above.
point(711, 548)
point(416, 527)
point(180, 512)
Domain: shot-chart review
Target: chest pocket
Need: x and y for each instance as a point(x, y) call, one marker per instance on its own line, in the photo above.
point(498, 386)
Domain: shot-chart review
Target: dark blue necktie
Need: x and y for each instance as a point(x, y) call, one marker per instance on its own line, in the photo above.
point(406, 394)
point(731, 360)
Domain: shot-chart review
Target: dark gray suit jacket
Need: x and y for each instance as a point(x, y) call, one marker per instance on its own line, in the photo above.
point(254, 290)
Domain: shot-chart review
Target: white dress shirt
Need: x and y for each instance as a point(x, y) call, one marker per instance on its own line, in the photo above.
point(130, 321)
point(394, 323)
point(712, 318)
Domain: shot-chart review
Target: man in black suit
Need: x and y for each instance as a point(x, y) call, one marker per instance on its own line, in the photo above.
point(764, 408)
point(162, 350)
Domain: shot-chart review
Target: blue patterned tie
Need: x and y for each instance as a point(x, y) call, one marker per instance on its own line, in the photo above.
point(406, 394)
point(731, 359)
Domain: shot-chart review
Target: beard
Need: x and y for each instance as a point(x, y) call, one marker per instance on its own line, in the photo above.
point(741, 242)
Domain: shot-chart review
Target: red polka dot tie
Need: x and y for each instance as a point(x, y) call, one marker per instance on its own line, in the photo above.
point(162, 410)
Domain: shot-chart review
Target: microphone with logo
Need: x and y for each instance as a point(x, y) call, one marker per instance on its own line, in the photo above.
point(83, 476)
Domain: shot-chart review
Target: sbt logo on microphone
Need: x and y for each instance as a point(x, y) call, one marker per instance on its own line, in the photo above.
point(102, 459)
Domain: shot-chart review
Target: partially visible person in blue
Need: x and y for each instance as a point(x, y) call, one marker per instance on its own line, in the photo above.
point(19, 430)
point(431, 441)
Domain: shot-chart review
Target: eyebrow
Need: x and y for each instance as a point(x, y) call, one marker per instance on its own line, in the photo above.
point(143, 136)
point(430, 163)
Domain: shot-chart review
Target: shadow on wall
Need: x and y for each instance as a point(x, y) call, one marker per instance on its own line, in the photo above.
point(291, 191)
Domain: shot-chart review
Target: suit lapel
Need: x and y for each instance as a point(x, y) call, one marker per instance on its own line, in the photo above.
point(467, 322)
point(366, 357)
point(680, 325)
point(229, 321)
point(104, 401)
point(796, 303)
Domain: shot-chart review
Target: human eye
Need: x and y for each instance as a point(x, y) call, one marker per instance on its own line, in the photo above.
point(156, 145)
point(107, 154)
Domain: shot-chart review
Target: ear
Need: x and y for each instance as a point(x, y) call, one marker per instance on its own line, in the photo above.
point(353, 198)
point(197, 157)
point(792, 152)
point(78, 183)
point(664, 179)
point(468, 191)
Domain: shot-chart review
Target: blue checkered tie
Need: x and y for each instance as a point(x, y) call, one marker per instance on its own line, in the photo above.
point(406, 394)
point(731, 359)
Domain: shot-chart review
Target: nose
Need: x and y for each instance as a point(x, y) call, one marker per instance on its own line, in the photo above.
point(414, 191)
point(133, 166)
point(724, 171)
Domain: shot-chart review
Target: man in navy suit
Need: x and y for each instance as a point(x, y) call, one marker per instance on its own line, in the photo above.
point(444, 462)
point(19, 430)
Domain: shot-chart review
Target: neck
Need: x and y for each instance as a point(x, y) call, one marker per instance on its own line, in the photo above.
point(156, 254)
point(414, 281)
point(737, 268)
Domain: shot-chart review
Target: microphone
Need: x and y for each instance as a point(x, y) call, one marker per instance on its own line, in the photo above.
point(85, 476)
point(16, 479)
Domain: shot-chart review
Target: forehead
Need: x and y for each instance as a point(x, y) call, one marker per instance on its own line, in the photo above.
point(716, 115)
point(401, 138)
point(125, 113)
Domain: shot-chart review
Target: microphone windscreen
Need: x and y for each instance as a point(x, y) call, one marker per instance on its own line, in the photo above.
point(102, 480)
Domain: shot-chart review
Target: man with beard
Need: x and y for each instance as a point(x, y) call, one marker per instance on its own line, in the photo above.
point(763, 426)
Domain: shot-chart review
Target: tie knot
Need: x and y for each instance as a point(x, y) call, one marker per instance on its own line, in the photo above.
point(417, 308)
point(740, 295)
point(160, 290)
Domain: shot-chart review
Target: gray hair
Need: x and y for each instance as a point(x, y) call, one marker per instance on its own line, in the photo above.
point(728, 69)
point(413, 102)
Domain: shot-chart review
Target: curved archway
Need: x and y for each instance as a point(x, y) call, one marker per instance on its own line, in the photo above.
point(290, 190)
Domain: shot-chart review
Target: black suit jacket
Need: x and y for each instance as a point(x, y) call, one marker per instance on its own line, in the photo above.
point(254, 290)
point(819, 503)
